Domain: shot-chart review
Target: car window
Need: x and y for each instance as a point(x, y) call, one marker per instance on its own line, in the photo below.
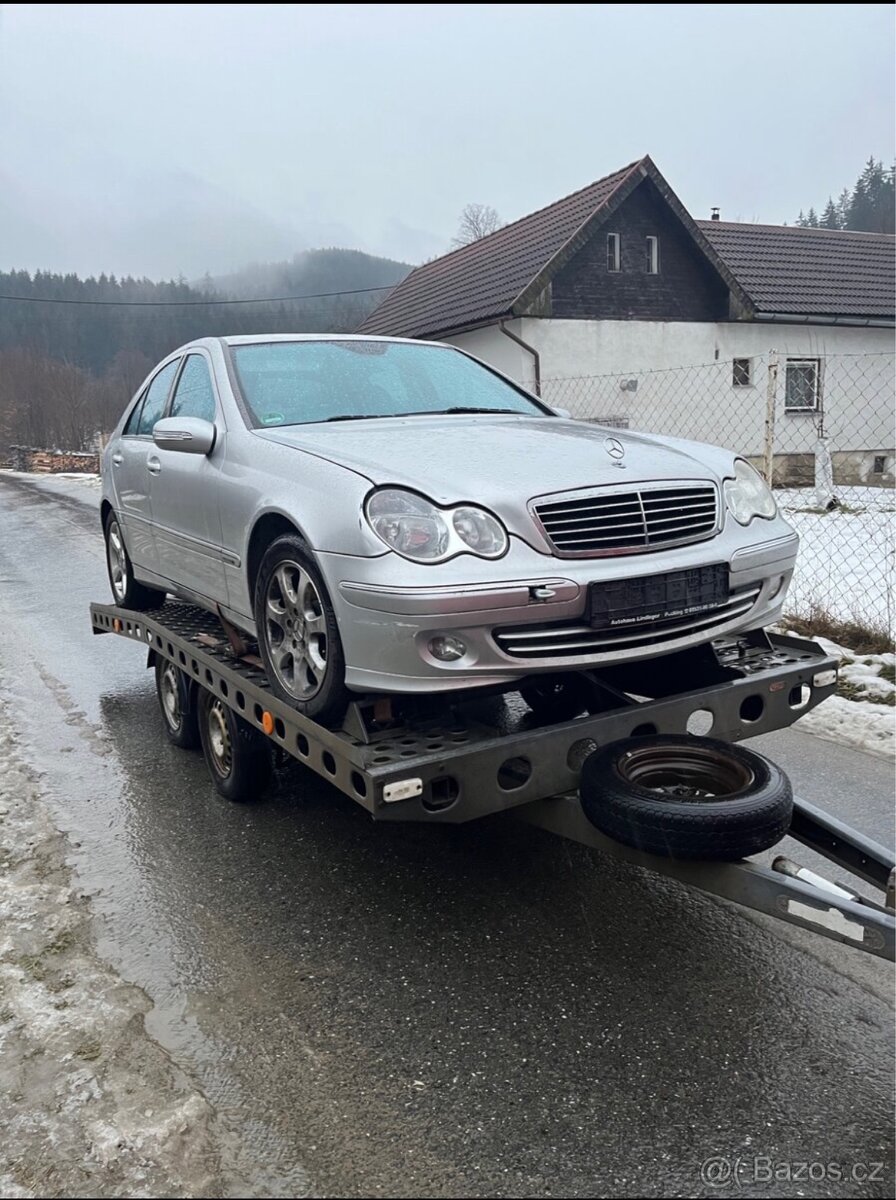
point(295, 383)
point(154, 404)
point(133, 420)
point(194, 395)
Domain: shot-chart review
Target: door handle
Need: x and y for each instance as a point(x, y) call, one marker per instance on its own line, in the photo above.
point(153, 465)
point(117, 459)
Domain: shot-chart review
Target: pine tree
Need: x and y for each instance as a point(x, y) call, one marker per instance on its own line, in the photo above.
point(812, 219)
point(844, 203)
point(801, 220)
point(830, 218)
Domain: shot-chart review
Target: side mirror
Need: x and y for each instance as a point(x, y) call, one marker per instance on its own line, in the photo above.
point(189, 435)
point(561, 412)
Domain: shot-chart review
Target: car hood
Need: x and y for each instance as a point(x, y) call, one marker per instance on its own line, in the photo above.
point(499, 461)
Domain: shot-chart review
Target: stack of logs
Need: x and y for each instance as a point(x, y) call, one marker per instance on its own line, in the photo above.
point(53, 462)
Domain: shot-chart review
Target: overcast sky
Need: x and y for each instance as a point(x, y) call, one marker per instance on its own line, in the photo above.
point(168, 139)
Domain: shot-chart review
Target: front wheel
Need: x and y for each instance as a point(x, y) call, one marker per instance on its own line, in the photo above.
point(298, 637)
point(128, 592)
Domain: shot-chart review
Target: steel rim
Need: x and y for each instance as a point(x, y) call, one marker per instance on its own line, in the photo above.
point(170, 690)
point(219, 741)
point(685, 773)
point(117, 560)
point(296, 631)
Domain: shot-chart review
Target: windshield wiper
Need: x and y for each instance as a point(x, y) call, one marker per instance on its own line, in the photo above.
point(471, 409)
point(422, 412)
point(363, 416)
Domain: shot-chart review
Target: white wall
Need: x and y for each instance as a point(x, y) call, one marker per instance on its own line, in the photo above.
point(497, 349)
point(675, 377)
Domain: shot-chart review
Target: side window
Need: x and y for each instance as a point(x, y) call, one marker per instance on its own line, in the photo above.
point(194, 395)
point(154, 404)
point(133, 421)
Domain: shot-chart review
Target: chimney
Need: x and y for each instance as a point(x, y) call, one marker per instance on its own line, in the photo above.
point(715, 215)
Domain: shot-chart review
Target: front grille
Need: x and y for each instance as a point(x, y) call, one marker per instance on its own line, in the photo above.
point(601, 522)
point(572, 639)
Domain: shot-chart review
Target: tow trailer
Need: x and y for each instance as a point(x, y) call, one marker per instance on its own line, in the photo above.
point(457, 758)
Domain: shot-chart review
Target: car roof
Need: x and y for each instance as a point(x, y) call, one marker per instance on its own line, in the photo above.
point(251, 339)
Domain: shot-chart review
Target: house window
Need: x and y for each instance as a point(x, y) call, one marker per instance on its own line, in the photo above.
point(880, 464)
point(653, 256)
point(801, 380)
point(612, 251)
point(742, 372)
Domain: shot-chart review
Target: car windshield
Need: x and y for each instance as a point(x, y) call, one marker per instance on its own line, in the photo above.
point(297, 383)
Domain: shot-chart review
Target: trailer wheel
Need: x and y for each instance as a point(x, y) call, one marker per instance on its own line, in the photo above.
point(681, 796)
point(238, 757)
point(177, 704)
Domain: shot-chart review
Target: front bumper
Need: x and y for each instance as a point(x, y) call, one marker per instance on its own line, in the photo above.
point(389, 609)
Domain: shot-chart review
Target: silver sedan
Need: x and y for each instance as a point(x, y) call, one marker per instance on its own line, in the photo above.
point(394, 516)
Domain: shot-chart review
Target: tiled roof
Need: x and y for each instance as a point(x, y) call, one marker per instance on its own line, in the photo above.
point(482, 280)
point(812, 272)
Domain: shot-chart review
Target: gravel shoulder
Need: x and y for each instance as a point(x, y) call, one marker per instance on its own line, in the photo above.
point(92, 1106)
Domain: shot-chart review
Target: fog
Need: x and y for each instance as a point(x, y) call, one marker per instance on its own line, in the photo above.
point(177, 139)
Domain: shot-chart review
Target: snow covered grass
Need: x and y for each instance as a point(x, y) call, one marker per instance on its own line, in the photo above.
point(862, 713)
point(846, 559)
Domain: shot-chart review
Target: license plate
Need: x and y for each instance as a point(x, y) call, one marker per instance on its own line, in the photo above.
point(657, 597)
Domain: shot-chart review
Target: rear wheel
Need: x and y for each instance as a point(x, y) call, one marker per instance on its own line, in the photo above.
point(238, 757)
point(682, 796)
point(127, 591)
point(298, 637)
point(177, 705)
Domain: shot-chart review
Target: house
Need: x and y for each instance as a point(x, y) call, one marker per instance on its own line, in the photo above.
point(616, 304)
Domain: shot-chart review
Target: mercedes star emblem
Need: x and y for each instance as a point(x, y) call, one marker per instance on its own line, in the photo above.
point(614, 448)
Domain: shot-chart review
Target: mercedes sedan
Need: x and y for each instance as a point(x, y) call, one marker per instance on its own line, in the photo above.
point(385, 515)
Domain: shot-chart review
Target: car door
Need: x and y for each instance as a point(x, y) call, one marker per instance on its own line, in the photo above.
point(131, 471)
point(184, 491)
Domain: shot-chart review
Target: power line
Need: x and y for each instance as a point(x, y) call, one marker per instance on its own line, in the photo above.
point(199, 303)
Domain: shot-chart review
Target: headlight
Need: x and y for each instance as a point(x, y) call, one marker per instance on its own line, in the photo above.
point(748, 495)
point(479, 530)
point(418, 529)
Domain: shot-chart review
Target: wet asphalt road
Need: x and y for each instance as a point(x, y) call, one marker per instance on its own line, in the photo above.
point(433, 1011)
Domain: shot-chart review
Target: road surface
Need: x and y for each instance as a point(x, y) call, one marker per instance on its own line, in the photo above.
point(434, 1011)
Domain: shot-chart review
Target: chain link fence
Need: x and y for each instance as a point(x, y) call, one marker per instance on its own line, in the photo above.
point(819, 427)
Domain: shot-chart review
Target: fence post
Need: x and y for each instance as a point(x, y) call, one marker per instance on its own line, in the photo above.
point(771, 393)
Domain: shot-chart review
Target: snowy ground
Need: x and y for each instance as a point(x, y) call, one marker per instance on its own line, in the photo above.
point(92, 1106)
point(846, 560)
point(862, 715)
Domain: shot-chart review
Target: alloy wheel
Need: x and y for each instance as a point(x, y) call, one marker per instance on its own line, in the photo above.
point(296, 630)
point(117, 559)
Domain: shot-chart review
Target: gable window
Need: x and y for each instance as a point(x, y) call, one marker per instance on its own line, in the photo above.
point(801, 384)
point(653, 255)
point(741, 372)
point(613, 252)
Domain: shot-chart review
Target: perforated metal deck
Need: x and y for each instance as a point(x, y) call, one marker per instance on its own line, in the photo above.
point(470, 756)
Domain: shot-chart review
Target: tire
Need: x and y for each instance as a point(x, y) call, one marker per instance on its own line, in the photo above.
point(298, 637)
point(238, 757)
point(686, 797)
point(557, 697)
point(177, 705)
point(128, 593)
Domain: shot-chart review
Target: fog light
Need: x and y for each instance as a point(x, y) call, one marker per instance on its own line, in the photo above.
point(447, 649)
point(775, 591)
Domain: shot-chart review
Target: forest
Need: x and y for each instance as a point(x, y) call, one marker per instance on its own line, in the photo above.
point(68, 368)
